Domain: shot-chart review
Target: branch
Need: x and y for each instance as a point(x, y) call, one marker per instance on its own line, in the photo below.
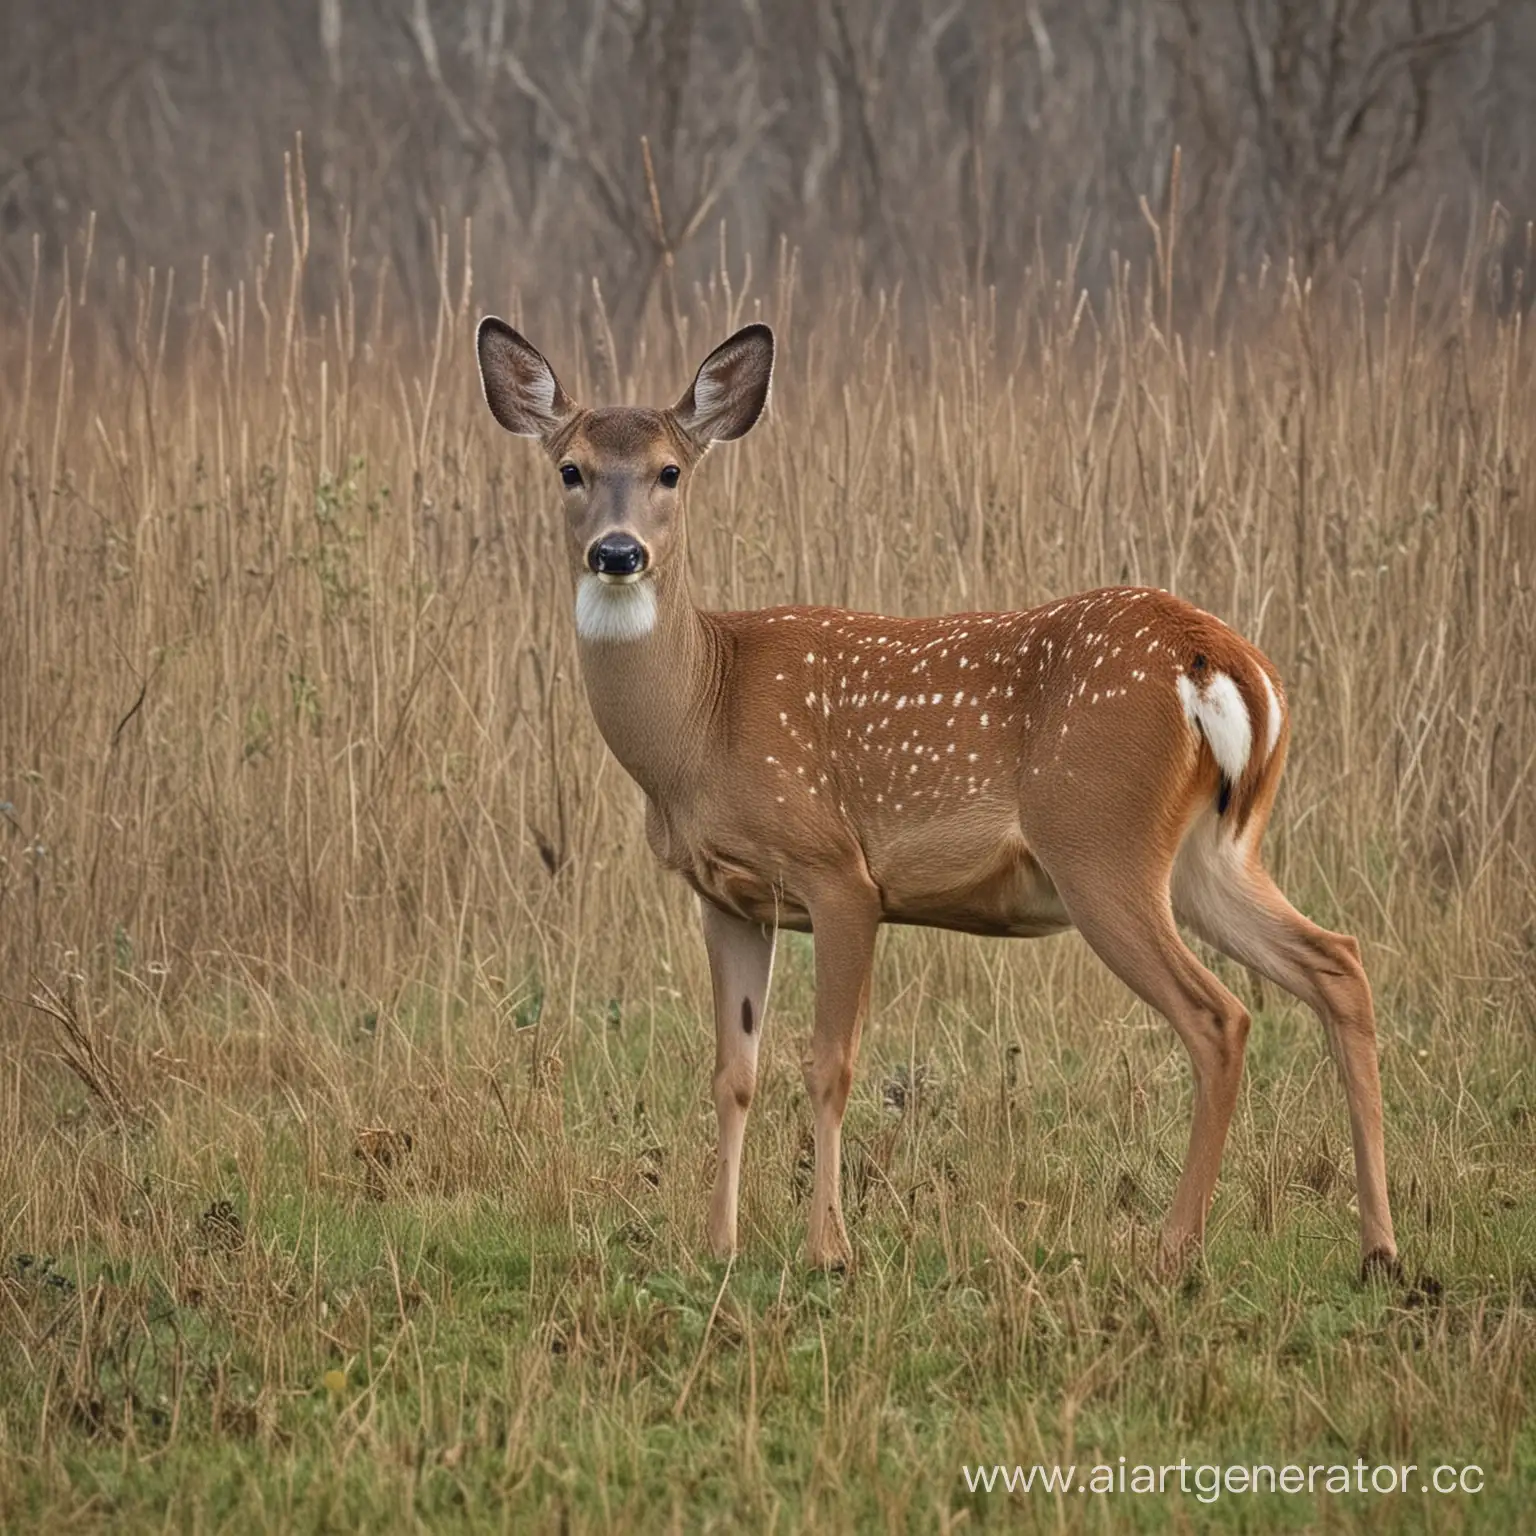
point(1407, 52)
point(576, 147)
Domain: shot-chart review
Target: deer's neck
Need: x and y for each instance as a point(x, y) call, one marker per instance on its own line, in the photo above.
point(651, 668)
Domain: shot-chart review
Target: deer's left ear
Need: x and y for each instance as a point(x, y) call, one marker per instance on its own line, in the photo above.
point(730, 390)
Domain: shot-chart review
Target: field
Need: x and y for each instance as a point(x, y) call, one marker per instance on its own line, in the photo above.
point(355, 1131)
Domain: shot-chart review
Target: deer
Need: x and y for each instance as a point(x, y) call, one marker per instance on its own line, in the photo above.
point(1105, 762)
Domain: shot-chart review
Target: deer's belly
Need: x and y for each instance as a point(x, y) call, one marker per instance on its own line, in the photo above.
point(973, 879)
point(994, 887)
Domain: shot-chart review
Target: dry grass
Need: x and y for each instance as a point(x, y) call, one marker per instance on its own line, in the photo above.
point(364, 1125)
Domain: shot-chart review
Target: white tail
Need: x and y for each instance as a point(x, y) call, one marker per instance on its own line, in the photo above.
point(1107, 761)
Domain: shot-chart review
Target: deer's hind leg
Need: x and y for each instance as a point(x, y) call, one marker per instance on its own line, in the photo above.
point(1127, 919)
point(1230, 900)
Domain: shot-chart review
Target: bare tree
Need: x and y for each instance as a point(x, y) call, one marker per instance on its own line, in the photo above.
point(1322, 108)
point(907, 140)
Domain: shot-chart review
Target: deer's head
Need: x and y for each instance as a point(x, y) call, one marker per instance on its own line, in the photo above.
point(624, 470)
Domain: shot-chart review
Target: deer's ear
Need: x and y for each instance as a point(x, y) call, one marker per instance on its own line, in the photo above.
point(731, 388)
point(520, 387)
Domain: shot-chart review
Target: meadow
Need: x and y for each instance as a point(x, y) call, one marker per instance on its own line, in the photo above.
point(355, 1130)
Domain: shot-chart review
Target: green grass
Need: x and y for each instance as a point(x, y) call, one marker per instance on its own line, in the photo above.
point(521, 1332)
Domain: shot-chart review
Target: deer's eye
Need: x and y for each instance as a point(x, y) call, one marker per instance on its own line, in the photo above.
point(669, 476)
point(570, 475)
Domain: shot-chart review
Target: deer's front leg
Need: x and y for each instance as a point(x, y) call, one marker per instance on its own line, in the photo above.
point(845, 927)
point(740, 962)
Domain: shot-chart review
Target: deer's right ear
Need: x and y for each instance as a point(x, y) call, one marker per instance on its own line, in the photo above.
point(728, 395)
point(520, 387)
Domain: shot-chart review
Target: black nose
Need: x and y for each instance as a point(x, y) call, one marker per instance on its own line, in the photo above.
point(617, 554)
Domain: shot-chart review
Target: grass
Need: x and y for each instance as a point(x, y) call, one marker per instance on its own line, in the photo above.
point(357, 1142)
point(511, 1322)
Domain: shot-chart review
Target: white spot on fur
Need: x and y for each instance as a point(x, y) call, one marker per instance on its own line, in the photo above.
point(1274, 713)
point(614, 612)
point(1220, 713)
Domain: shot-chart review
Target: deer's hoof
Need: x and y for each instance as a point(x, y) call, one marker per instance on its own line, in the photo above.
point(1176, 1254)
point(834, 1257)
point(1381, 1264)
